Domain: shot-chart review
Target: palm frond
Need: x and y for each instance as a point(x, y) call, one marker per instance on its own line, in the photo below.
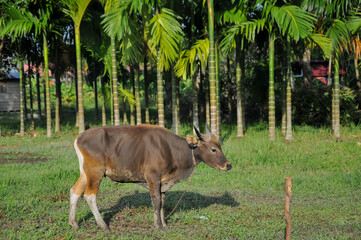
point(166, 34)
point(127, 96)
point(187, 62)
point(355, 45)
point(248, 29)
point(293, 20)
point(118, 23)
point(235, 15)
point(354, 23)
point(76, 9)
point(338, 33)
point(18, 22)
point(323, 42)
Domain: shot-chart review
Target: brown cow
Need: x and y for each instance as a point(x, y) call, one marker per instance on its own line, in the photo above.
point(148, 155)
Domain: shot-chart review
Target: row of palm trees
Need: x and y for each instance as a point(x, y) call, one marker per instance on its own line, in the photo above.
point(187, 38)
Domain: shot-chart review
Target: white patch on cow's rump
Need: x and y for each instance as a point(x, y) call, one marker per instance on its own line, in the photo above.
point(80, 157)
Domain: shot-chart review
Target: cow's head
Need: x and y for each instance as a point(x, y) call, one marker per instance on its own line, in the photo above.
point(208, 150)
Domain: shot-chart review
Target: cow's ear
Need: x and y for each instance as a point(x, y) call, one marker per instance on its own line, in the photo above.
point(192, 141)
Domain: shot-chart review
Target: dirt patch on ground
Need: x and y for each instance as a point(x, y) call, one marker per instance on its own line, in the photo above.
point(11, 157)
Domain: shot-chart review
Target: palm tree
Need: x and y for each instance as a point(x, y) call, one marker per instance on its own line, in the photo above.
point(137, 95)
point(76, 10)
point(109, 6)
point(339, 34)
point(18, 23)
point(333, 20)
point(290, 20)
point(21, 78)
point(235, 36)
point(354, 25)
point(191, 63)
point(166, 35)
point(212, 68)
point(289, 78)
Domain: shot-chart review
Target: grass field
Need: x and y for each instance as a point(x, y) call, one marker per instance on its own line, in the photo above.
point(246, 202)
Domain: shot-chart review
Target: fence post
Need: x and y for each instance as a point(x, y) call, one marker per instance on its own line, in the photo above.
point(288, 195)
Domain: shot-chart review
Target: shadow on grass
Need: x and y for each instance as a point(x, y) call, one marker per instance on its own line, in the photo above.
point(190, 201)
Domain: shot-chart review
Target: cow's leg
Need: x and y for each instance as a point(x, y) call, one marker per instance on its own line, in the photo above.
point(164, 222)
point(90, 196)
point(155, 195)
point(75, 193)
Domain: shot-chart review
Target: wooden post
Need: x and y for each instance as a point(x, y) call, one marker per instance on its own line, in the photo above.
point(288, 195)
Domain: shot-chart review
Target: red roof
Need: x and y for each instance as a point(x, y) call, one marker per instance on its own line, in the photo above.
point(320, 68)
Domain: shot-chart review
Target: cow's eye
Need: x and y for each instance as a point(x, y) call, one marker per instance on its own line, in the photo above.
point(214, 150)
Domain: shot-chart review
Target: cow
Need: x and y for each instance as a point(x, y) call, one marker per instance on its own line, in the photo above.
point(149, 155)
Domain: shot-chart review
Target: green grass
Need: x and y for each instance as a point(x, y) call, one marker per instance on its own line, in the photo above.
point(244, 203)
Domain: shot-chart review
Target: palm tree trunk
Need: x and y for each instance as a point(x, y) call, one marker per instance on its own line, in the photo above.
point(160, 92)
point(47, 88)
point(38, 94)
point(228, 89)
point(44, 92)
point(284, 93)
point(174, 83)
point(125, 117)
point(178, 103)
point(104, 114)
point(115, 83)
point(96, 99)
point(195, 91)
point(271, 94)
point(111, 102)
point(146, 90)
point(138, 105)
point(32, 124)
point(77, 104)
point(174, 103)
point(79, 80)
point(239, 73)
point(207, 92)
point(57, 92)
point(132, 118)
point(243, 90)
point(22, 127)
point(195, 81)
point(289, 136)
point(24, 96)
point(306, 67)
point(212, 68)
point(336, 99)
point(357, 72)
point(219, 120)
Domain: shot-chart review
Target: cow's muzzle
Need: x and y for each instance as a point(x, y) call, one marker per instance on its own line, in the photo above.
point(229, 166)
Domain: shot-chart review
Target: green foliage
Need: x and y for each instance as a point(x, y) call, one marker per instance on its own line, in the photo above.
point(293, 20)
point(188, 61)
point(323, 42)
point(166, 34)
point(119, 22)
point(338, 33)
point(354, 23)
point(76, 9)
point(18, 22)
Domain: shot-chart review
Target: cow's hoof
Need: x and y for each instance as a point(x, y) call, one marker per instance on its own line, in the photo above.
point(105, 229)
point(160, 228)
point(74, 225)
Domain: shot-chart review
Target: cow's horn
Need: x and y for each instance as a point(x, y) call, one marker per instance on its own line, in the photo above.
point(200, 135)
point(208, 131)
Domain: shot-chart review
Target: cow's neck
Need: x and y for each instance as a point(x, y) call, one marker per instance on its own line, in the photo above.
point(187, 154)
